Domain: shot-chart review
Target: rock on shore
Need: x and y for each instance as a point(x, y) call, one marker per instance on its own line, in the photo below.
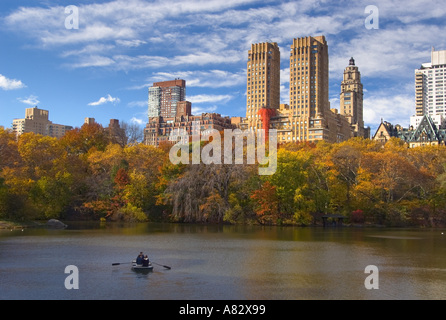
point(56, 224)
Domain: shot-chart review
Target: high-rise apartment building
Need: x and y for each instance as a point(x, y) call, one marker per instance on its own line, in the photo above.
point(37, 120)
point(430, 86)
point(309, 93)
point(421, 95)
point(309, 100)
point(309, 76)
point(308, 116)
point(263, 81)
point(351, 100)
point(164, 97)
point(170, 115)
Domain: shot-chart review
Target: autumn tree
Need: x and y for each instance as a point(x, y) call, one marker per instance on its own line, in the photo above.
point(267, 204)
point(147, 166)
point(345, 162)
point(241, 205)
point(390, 184)
point(103, 167)
point(291, 185)
point(428, 207)
point(10, 163)
point(45, 175)
point(202, 192)
point(4, 203)
point(81, 140)
point(8, 150)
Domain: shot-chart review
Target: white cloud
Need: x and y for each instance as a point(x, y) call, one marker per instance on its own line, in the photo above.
point(25, 18)
point(120, 20)
point(90, 33)
point(285, 85)
point(412, 11)
point(126, 62)
point(104, 100)
point(88, 50)
point(117, 26)
point(92, 61)
point(334, 103)
point(212, 78)
point(137, 121)
point(141, 86)
point(139, 104)
point(210, 39)
point(130, 43)
point(31, 100)
point(207, 98)
point(200, 110)
point(10, 84)
point(388, 53)
point(395, 108)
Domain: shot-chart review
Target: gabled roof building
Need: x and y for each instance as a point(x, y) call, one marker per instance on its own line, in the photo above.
point(425, 134)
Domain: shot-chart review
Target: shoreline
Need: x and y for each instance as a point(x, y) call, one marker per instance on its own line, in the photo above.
point(17, 225)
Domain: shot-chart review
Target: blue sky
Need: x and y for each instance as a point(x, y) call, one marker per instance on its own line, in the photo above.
point(103, 69)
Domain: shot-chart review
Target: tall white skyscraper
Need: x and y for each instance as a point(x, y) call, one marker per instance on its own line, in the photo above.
point(430, 86)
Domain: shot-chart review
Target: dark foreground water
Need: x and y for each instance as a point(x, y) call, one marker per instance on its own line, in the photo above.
point(223, 263)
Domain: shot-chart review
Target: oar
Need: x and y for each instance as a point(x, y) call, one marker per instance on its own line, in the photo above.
point(167, 267)
point(117, 264)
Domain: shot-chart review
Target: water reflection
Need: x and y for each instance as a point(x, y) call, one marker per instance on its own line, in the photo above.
point(223, 262)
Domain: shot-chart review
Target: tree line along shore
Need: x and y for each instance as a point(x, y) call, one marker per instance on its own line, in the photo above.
point(85, 175)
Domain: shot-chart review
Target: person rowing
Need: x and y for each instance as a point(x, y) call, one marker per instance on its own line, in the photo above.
point(145, 261)
point(140, 258)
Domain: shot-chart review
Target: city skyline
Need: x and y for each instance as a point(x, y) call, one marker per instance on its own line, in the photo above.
point(104, 68)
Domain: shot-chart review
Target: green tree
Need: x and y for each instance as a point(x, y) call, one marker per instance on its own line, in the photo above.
point(291, 177)
point(146, 165)
point(51, 196)
point(241, 205)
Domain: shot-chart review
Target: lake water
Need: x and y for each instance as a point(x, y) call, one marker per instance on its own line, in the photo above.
point(223, 263)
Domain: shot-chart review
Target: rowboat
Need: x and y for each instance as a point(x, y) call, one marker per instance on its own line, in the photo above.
point(140, 267)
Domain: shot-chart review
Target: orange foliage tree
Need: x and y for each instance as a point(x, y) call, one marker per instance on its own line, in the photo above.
point(267, 208)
